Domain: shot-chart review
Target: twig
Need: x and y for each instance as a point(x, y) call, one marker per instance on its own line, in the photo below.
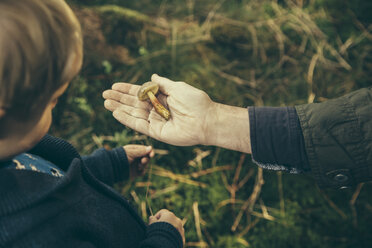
point(249, 227)
point(352, 203)
point(215, 157)
point(333, 205)
point(210, 170)
point(238, 169)
point(249, 203)
point(228, 201)
point(246, 178)
point(234, 186)
point(211, 14)
point(356, 194)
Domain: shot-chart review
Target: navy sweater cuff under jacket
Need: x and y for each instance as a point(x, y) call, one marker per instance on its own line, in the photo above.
point(109, 166)
point(276, 139)
point(162, 234)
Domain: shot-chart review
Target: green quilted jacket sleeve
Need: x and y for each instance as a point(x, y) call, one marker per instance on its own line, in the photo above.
point(338, 138)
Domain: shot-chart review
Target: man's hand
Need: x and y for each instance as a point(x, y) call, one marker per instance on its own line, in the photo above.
point(189, 108)
point(165, 215)
point(138, 158)
point(195, 118)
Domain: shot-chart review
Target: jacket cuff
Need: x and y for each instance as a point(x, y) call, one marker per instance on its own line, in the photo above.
point(276, 139)
point(164, 235)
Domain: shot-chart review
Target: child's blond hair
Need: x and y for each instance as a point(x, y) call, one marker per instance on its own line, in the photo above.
point(37, 38)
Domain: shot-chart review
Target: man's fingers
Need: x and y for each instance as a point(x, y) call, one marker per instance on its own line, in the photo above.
point(137, 124)
point(135, 112)
point(112, 105)
point(130, 89)
point(165, 84)
point(126, 99)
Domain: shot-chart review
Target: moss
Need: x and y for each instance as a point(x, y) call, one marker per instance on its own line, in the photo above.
point(122, 26)
point(230, 34)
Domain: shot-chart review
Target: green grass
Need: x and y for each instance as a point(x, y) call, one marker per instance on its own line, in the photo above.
point(241, 53)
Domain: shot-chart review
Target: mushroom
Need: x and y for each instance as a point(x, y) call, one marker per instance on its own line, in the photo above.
point(148, 91)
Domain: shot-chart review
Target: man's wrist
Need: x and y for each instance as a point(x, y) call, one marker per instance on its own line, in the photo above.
point(228, 127)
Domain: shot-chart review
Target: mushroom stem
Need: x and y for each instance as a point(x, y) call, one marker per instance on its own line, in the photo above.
point(158, 106)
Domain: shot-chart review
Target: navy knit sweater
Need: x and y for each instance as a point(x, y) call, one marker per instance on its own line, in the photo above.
point(79, 209)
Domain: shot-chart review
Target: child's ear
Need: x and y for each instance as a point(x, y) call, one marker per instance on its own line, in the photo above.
point(2, 113)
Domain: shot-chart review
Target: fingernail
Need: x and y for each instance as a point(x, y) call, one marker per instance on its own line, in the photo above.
point(148, 149)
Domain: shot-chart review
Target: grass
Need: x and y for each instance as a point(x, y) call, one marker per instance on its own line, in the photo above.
point(272, 53)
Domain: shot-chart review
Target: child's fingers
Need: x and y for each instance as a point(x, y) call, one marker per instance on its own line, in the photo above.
point(152, 154)
point(137, 150)
point(144, 160)
point(161, 212)
point(152, 219)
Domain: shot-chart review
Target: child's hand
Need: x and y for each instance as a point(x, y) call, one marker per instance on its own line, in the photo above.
point(138, 158)
point(165, 215)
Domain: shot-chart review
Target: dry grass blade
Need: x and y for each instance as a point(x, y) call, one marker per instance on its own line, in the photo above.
point(262, 216)
point(159, 171)
point(144, 210)
point(143, 184)
point(196, 244)
point(164, 191)
point(243, 241)
point(135, 197)
point(265, 213)
point(234, 79)
point(197, 221)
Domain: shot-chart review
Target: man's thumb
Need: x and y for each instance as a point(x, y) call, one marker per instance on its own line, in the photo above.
point(165, 84)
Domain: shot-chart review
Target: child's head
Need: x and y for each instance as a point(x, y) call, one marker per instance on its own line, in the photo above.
point(40, 52)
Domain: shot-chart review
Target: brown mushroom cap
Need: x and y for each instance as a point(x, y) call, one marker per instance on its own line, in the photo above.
point(146, 87)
